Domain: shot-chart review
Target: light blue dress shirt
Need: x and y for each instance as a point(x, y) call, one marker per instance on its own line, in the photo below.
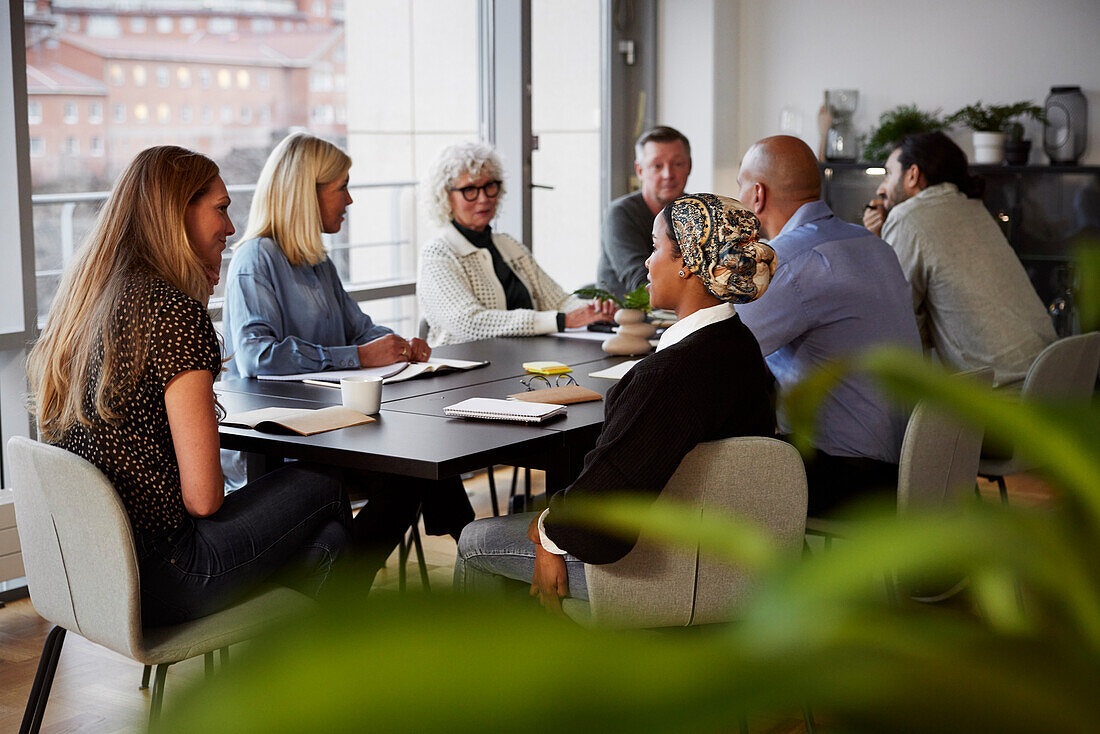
point(281, 319)
point(838, 290)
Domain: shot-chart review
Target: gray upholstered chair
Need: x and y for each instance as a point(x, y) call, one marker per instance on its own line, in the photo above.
point(82, 571)
point(938, 466)
point(759, 479)
point(1065, 370)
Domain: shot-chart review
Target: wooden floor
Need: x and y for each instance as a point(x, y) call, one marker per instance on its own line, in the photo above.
point(96, 691)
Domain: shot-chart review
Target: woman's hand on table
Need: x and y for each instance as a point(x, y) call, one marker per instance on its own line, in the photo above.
point(551, 580)
point(591, 314)
point(419, 351)
point(874, 215)
point(392, 348)
point(384, 350)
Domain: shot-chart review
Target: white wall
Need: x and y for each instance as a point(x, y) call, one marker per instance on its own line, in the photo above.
point(697, 85)
point(935, 53)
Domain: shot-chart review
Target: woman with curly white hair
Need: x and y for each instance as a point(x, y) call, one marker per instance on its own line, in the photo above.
point(478, 284)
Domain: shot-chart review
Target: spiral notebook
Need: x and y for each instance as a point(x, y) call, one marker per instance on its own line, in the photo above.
point(504, 410)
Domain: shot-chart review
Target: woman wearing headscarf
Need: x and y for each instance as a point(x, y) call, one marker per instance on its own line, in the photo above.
point(706, 381)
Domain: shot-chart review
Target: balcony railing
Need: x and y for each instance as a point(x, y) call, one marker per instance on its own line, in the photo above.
point(401, 244)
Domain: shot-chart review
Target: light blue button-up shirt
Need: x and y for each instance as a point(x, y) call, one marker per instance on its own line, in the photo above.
point(838, 290)
point(281, 319)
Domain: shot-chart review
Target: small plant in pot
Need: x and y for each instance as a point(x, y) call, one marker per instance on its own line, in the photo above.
point(633, 334)
point(895, 124)
point(1017, 149)
point(990, 125)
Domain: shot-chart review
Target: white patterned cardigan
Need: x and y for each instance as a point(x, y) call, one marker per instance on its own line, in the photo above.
point(462, 299)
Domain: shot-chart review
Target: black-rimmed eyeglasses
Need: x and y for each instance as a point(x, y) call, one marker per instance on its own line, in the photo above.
point(470, 193)
point(532, 382)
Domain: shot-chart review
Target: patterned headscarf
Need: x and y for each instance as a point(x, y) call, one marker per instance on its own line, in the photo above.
point(718, 237)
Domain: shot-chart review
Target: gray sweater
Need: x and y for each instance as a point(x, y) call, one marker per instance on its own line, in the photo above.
point(973, 301)
point(627, 242)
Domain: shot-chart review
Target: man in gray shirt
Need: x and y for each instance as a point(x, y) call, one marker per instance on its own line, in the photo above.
point(973, 301)
point(662, 162)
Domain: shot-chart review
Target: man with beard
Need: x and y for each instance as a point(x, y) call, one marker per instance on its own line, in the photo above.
point(975, 305)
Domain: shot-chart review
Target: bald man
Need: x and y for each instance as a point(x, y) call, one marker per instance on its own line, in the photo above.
point(838, 289)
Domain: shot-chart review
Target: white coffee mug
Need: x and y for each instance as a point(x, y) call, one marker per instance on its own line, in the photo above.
point(362, 393)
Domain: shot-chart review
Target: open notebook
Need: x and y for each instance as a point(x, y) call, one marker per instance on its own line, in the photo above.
point(396, 372)
point(303, 421)
point(504, 410)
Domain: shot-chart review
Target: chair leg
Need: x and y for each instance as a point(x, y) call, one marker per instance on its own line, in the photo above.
point(420, 562)
point(527, 487)
point(402, 559)
point(893, 597)
point(493, 491)
point(208, 662)
point(515, 480)
point(158, 693)
point(145, 678)
point(43, 681)
point(808, 717)
point(1004, 490)
point(223, 654)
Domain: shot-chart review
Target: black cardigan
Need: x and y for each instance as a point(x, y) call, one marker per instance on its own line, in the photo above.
point(713, 384)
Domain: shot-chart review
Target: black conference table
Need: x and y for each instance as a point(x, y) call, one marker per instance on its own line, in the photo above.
point(413, 437)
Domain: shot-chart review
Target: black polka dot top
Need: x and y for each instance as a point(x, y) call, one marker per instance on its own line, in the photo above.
point(136, 452)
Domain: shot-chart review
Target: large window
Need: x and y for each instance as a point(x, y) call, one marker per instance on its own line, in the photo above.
point(245, 106)
point(392, 124)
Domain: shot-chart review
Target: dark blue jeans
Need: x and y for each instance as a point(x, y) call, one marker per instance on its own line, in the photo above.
point(289, 526)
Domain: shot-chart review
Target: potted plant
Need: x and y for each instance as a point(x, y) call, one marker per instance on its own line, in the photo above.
point(895, 124)
point(634, 333)
point(990, 123)
point(1017, 149)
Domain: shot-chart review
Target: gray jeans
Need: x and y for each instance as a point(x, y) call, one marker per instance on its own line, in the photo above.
point(494, 554)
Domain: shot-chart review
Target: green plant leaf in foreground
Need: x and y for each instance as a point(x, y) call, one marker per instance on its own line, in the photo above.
point(482, 664)
point(985, 544)
point(444, 663)
point(816, 631)
point(1087, 259)
point(1060, 438)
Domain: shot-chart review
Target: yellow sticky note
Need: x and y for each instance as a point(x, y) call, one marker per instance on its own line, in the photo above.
point(547, 368)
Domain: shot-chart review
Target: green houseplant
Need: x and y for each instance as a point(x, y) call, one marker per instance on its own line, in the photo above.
point(633, 333)
point(895, 124)
point(991, 125)
point(636, 299)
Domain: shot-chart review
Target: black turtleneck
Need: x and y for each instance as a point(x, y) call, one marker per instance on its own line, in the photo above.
point(516, 294)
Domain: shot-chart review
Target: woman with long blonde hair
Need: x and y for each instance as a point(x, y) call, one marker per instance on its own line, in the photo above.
point(287, 312)
point(123, 376)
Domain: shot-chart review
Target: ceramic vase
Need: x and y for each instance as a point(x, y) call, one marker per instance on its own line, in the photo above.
point(633, 335)
point(989, 148)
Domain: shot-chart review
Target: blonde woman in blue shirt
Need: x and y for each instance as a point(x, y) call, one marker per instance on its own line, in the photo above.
point(287, 312)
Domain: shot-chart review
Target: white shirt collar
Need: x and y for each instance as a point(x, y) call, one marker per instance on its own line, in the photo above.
point(688, 325)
